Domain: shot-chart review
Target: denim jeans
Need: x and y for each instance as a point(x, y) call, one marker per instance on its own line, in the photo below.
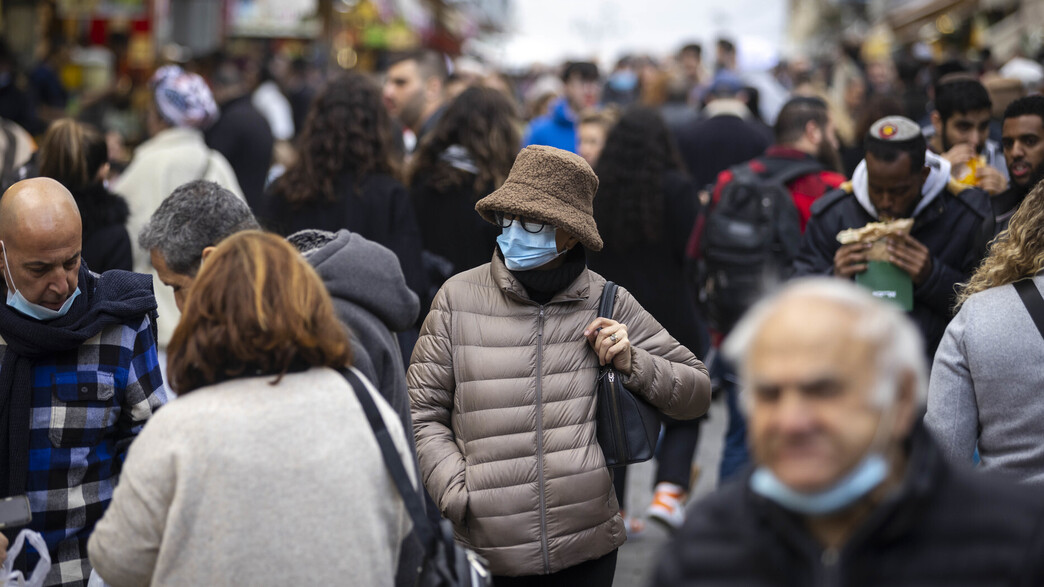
point(735, 454)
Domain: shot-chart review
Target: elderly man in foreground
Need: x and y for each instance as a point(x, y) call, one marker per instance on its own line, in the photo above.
point(848, 488)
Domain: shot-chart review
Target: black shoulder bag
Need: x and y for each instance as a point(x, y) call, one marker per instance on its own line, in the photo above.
point(1033, 301)
point(446, 563)
point(627, 426)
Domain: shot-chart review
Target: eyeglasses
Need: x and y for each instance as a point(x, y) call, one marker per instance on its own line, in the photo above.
point(504, 220)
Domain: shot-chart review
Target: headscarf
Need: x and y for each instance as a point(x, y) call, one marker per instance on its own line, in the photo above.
point(183, 98)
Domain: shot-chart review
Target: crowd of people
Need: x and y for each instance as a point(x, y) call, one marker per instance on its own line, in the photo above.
point(187, 337)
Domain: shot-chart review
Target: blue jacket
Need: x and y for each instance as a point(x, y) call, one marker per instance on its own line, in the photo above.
point(557, 129)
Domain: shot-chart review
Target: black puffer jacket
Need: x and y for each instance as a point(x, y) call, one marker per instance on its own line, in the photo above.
point(943, 527)
point(956, 227)
point(377, 207)
point(106, 244)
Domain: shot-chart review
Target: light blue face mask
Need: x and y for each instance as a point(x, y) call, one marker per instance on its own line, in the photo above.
point(526, 250)
point(17, 301)
point(867, 475)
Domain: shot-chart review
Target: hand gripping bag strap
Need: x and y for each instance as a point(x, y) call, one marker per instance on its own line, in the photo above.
point(1033, 301)
point(455, 567)
point(627, 426)
point(608, 301)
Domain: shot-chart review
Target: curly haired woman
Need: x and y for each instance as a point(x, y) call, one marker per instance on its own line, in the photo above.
point(985, 388)
point(347, 176)
point(646, 207)
point(467, 155)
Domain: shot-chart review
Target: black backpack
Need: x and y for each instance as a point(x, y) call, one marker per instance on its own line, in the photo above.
point(749, 241)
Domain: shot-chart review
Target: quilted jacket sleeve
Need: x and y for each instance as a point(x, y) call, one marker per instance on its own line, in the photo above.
point(663, 371)
point(431, 385)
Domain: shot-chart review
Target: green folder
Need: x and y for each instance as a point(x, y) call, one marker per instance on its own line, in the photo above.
point(888, 282)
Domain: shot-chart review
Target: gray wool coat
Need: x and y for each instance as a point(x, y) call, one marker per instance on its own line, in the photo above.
point(987, 386)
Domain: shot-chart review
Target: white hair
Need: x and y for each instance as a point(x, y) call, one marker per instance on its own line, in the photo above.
point(898, 344)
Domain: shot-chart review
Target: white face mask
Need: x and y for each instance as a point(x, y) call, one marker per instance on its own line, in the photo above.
point(17, 301)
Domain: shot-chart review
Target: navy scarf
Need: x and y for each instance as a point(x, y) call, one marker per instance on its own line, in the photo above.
point(115, 297)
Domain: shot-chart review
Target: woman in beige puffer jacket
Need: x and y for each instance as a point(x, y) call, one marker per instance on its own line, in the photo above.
point(502, 383)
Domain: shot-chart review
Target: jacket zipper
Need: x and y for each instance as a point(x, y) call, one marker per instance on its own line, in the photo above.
point(829, 560)
point(544, 547)
point(618, 440)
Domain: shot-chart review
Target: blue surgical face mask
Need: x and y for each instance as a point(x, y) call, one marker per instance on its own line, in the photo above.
point(624, 80)
point(17, 301)
point(526, 250)
point(866, 476)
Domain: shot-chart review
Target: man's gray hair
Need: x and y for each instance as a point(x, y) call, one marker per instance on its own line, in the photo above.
point(898, 343)
point(310, 240)
point(196, 215)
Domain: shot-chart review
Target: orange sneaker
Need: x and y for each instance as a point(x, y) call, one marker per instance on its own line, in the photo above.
point(668, 505)
point(634, 526)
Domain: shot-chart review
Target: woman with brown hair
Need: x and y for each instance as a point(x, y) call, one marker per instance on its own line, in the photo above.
point(347, 176)
point(988, 373)
point(77, 156)
point(265, 470)
point(466, 156)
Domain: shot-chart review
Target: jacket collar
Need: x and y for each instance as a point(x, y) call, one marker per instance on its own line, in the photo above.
point(727, 107)
point(175, 135)
point(579, 289)
point(562, 113)
point(890, 518)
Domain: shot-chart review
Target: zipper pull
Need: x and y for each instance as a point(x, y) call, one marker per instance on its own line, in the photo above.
point(612, 376)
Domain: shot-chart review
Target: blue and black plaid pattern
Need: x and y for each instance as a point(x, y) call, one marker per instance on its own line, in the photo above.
point(88, 405)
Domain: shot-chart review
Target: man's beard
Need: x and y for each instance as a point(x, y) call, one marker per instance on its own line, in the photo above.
point(828, 156)
point(410, 115)
point(1034, 179)
point(947, 145)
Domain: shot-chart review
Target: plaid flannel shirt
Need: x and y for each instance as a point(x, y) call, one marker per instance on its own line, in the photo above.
point(88, 405)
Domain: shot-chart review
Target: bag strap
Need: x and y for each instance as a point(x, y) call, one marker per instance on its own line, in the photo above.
point(392, 461)
point(9, 154)
point(1033, 301)
point(793, 171)
point(608, 301)
point(744, 173)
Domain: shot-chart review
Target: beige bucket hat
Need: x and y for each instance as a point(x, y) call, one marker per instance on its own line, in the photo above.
point(552, 186)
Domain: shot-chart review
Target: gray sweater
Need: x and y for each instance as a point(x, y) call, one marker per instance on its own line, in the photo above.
point(247, 483)
point(987, 386)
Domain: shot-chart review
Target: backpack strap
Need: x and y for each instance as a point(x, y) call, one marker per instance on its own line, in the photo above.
point(794, 170)
point(392, 461)
point(1033, 301)
point(786, 174)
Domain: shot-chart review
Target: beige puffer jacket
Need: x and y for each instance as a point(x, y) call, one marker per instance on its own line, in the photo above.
point(502, 393)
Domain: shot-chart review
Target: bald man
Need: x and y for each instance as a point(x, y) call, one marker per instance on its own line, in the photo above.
point(79, 375)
